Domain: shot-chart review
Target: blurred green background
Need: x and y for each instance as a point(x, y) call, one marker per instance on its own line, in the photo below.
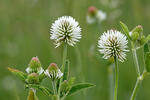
point(24, 33)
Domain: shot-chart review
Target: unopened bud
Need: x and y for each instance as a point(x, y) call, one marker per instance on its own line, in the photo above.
point(34, 66)
point(53, 72)
point(134, 35)
point(138, 29)
point(33, 78)
point(92, 11)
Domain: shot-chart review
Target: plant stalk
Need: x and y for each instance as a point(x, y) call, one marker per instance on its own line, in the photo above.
point(63, 65)
point(136, 88)
point(136, 61)
point(116, 78)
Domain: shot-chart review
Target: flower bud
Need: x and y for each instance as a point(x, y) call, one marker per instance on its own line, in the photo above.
point(138, 29)
point(34, 66)
point(53, 72)
point(92, 11)
point(134, 35)
point(33, 78)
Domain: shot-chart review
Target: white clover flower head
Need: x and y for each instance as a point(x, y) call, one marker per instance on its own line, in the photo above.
point(113, 44)
point(53, 72)
point(65, 29)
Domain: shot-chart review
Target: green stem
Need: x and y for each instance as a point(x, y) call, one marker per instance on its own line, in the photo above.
point(136, 88)
point(137, 85)
point(63, 65)
point(116, 78)
point(54, 87)
point(64, 56)
point(136, 61)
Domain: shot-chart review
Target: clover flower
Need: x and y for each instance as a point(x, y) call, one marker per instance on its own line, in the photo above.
point(53, 72)
point(35, 66)
point(65, 29)
point(113, 44)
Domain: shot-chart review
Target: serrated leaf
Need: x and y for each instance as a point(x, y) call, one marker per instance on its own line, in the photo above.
point(43, 89)
point(146, 49)
point(125, 29)
point(147, 61)
point(66, 71)
point(79, 87)
point(21, 75)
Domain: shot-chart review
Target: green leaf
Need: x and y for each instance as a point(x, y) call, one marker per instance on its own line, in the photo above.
point(147, 61)
point(45, 90)
point(66, 71)
point(125, 29)
point(79, 87)
point(146, 49)
point(146, 39)
point(66, 86)
point(41, 77)
point(21, 75)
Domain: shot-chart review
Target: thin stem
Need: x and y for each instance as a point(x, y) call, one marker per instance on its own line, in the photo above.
point(136, 88)
point(64, 56)
point(136, 61)
point(116, 78)
point(63, 65)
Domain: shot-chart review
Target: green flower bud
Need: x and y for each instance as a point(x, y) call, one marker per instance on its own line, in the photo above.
point(33, 78)
point(138, 29)
point(53, 72)
point(35, 63)
point(34, 66)
point(134, 36)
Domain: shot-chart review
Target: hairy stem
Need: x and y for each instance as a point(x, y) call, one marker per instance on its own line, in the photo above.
point(116, 78)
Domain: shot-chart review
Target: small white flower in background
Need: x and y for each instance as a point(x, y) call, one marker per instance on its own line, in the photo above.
point(94, 14)
point(35, 66)
point(65, 29)
point(113, 44)
point(53, 72)
point(101, 15)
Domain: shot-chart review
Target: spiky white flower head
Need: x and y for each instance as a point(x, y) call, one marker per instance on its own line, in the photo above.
point(53, 72)
point(34, 66)
point(113, 44)
point(65, 29)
